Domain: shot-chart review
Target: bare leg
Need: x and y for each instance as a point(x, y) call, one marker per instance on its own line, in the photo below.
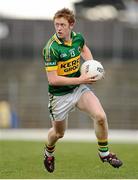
point(56, 132)
point(90, 104)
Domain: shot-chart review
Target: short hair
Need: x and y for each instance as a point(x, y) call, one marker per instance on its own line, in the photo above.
point(65, 13)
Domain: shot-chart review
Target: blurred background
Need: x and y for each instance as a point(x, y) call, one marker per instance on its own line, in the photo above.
point(110, 28)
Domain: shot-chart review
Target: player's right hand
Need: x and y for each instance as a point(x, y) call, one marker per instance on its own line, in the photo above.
point(85, 79)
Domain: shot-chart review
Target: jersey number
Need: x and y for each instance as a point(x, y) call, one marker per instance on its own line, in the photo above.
point(72, 53)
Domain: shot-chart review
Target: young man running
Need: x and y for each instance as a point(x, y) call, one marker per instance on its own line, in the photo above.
point(68, 89)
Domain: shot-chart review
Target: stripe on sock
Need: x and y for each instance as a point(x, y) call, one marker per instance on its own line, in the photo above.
point(50, 149)
point(103, 149)
point(103, 145)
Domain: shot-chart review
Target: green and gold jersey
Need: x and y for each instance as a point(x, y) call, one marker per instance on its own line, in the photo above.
point(65, 59)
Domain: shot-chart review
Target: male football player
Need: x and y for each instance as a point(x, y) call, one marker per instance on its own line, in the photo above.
point(68, 88)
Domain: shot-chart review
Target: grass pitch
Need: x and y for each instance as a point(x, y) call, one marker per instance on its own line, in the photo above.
point(74, 160)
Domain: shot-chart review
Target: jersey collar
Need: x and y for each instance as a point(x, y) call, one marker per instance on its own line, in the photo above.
point(60, 41)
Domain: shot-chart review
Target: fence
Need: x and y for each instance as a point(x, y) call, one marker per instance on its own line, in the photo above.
point(23, 82)
point(24, 86)
point(108, 39)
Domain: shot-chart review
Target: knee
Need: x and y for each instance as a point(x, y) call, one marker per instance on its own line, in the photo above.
point(59, 135)
point(101, 118)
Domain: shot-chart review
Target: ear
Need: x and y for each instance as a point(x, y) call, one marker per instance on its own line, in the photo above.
point(71, 25)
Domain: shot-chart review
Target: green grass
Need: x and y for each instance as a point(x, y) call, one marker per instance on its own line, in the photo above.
point(24, 160)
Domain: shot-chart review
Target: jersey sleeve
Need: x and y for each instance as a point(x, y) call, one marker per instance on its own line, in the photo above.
point(82, 40)
point(50, 56)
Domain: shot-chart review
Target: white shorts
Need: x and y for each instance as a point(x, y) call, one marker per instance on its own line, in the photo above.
point(60, 106)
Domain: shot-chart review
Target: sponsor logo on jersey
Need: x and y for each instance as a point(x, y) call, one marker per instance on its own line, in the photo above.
point(79, 49)
point(70, 66)
point(63, 55)
point(50, 64)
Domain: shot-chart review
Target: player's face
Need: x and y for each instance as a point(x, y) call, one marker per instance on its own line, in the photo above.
point(63, 28)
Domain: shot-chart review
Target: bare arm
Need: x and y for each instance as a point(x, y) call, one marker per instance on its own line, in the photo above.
point(56, 80)
point(86, 53)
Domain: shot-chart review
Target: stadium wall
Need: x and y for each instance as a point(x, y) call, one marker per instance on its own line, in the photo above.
point(85, 135)
point(23, 84)
point(24, 87)
point(109, 39)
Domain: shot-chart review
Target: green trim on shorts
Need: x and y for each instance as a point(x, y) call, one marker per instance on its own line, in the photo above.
point(50, 107)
